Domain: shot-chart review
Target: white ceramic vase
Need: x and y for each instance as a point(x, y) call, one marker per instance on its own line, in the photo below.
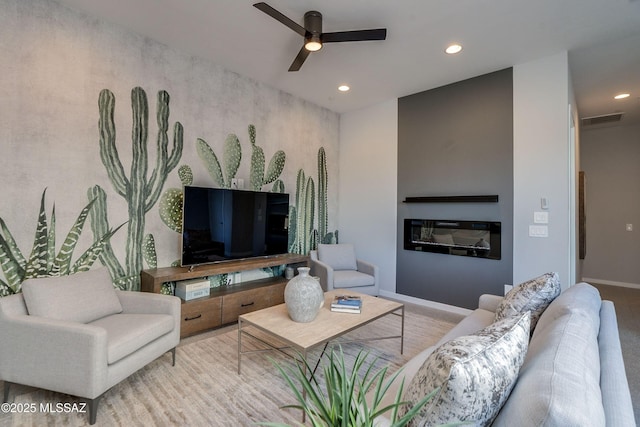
point(303, 296)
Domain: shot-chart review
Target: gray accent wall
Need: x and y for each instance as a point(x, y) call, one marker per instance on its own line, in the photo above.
point(610, 158)
point(456, 140)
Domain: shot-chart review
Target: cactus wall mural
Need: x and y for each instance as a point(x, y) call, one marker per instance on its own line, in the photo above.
point(222, 175)
point(302, 236)
point(140, 191)
point(43, 260)
point(257, 177)
point(171, 201)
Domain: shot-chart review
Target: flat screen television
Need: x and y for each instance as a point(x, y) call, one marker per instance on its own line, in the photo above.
point(220, 224)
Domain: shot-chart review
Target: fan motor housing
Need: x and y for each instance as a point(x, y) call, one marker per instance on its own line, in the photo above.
point(313, 22)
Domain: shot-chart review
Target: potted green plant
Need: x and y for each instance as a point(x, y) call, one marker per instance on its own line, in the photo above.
point(342, 401)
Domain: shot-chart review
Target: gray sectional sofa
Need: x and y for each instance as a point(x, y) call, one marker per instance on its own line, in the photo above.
point(572, 373)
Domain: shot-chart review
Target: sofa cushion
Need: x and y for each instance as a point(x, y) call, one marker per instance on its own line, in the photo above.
point(127, 333)
point(341, 256)
point(559, 383)
point(476, 320)
point(81, 297)
point(616, 399)
point(475, 374)
point(534, 295)
point(351, 279)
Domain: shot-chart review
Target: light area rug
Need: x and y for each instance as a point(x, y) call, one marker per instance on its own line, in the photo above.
point(204, 388)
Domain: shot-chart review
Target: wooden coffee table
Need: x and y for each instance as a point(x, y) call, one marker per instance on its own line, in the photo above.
point(327, 326)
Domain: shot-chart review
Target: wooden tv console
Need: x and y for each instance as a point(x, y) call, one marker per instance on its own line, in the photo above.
point(226, 303)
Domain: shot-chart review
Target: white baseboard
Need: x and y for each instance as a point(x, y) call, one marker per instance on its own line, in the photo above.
point(611, 283)
point(426, 303)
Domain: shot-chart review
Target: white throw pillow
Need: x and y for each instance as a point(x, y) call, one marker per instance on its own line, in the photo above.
point(475, 374)
point(81, 297)
point(340, 256)
point(534, 295)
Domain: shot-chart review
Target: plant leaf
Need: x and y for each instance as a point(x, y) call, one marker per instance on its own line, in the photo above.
point(63, 259)
point(37, 264)
point(12, 246)
point(86, 260)
point(13, 272)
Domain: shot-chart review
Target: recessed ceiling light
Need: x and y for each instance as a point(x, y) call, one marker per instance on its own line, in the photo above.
point(622, 96)
point(344, 88)
point(453, 49)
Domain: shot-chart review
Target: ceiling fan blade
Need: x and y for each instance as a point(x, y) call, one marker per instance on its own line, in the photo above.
point(280, 17)
point(300, 58)
point(354, 36)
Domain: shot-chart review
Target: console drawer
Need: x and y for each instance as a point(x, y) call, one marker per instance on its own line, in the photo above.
point(197, 316)
point(233, 305)
point(275, 294)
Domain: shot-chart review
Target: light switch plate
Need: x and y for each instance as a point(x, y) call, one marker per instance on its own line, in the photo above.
point(541, 217)
point(538, 231)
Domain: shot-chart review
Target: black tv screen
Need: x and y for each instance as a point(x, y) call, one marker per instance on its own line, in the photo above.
point(220, 224)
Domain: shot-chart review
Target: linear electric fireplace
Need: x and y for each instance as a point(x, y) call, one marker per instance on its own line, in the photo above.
point(479, 239)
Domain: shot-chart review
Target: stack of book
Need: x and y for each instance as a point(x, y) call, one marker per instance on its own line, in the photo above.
point(346, 304)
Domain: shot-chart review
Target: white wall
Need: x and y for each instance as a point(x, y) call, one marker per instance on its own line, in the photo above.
point(367, 193)
point(542, 167)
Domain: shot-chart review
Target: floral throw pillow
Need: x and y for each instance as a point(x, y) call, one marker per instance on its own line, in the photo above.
point(475, 374)
point(534, 295)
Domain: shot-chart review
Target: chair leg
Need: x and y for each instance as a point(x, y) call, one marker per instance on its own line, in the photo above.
point(5, 399)
point(173, 354)
point(93, 409)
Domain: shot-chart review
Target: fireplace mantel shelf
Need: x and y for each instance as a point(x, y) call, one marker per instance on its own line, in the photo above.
point(453, 199)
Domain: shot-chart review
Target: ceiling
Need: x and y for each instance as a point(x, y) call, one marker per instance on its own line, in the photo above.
point(601, 36)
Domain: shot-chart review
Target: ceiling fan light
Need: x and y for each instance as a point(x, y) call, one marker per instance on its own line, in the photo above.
point(313, 44)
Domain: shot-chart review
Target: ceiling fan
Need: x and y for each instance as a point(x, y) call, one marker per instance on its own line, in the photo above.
point(314, 38)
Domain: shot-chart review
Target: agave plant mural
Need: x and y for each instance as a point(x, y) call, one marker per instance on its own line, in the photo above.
point(140, 190)
point(43, 260)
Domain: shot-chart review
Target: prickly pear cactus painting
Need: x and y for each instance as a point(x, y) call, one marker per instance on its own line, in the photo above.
point(231, 157)
point(43, 260)
point(140, 190)
point(257, 176)
point(172, 200)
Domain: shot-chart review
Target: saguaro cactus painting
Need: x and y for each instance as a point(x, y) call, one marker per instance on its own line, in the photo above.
point(302, 236)
point(140, 191)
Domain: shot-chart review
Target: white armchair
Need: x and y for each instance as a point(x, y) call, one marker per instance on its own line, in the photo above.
point(78, 335)
point(338, 268)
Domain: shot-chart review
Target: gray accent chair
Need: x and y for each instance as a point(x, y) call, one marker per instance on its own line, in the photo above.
point(79, 336)
point(338, 268)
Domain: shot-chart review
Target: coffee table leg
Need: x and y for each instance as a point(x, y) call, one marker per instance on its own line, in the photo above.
point(324, 350)
point(304, 391)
